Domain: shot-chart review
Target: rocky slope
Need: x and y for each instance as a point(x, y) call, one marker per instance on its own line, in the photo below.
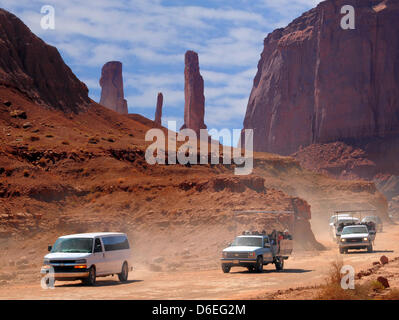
point(36, 69)
point(318, 83)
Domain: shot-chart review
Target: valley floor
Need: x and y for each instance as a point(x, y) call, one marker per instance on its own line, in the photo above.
point(306, 269)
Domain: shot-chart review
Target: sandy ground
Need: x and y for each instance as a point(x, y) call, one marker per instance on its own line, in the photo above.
point(303, 269)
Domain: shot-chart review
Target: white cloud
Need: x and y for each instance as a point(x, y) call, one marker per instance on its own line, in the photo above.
point(150, 37)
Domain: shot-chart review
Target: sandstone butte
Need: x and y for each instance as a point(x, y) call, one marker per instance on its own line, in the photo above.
point(158, 110)
point(36, 69)
point(111, 83)
point(318, 83)
point(194, 106)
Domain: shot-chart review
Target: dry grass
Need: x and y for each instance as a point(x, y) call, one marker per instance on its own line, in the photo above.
point(369, 290)
point(332, 290)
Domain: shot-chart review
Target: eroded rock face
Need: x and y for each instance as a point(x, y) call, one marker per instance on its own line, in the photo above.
point(194, 106)
point(158, 111)
point(111, 83)
point(37, 69)
point(318, 83)
point(338, 160)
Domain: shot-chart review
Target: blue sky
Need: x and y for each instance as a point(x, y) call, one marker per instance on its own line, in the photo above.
point(150, 38)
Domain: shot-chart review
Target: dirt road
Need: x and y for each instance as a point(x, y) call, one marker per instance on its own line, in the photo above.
point(302, 269)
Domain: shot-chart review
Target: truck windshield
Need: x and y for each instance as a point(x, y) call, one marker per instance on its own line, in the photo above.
point(247, 241)
point(77, 245)
point(349, 230)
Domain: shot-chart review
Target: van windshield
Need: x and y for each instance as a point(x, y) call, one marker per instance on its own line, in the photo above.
point(350, 230)
point(247, 241)
point(77, 245)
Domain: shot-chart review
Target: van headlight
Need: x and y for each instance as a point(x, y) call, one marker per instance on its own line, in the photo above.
point(46, 262)
point(81, 261)
point(365, 239)
point(224, 254)
point(343, 240)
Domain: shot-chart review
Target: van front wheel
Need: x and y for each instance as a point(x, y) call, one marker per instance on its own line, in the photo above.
point(124, 274)
point(91, 279)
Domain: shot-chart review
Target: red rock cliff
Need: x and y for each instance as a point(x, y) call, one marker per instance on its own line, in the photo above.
point(158, 110)
point(194, 106)
point(111, 83)
point(318, 83)
point(33, 67)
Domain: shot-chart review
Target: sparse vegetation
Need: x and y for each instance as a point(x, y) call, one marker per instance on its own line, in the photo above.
point(370, 290)
point(332, 290)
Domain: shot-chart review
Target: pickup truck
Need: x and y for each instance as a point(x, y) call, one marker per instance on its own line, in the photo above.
point(356, 237)
point(338, 222)
point(253, 251)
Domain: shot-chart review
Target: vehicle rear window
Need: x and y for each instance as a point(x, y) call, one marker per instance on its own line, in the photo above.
point(115, 243)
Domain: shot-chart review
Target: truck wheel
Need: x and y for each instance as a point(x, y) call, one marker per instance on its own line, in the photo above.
point(124, 274)
point(226, 268)
point(279, 264)
point(91, 279)
point(370, 248)
point(259, 264)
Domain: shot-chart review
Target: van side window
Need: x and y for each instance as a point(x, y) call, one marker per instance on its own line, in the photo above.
point(97, 245)
point(115, 243)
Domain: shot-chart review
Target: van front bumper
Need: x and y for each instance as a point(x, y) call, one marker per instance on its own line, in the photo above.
point(237, 262)
point(65, 274)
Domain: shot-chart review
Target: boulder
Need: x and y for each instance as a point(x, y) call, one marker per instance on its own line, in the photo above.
point(383, 281)
point(384, 260)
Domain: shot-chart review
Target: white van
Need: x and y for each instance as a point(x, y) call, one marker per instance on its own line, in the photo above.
point(87, 256)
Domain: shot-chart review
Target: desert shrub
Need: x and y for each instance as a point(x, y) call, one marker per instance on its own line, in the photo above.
point(376, 286)
point(332, 290)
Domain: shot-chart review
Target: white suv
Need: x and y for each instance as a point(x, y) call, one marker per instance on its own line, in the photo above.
point(87, 256)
